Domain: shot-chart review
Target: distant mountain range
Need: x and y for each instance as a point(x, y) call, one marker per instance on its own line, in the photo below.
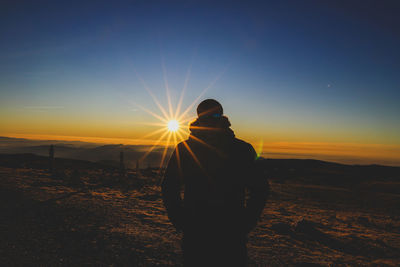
point(324, 173)
point(108, 154)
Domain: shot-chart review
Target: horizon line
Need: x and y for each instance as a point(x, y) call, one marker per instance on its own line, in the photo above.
point(345, 153)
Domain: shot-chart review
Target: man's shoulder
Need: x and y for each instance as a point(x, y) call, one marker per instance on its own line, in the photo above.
point(243, 145)
point(239, 145)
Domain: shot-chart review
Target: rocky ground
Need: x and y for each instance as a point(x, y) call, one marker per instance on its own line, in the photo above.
point(76, 219)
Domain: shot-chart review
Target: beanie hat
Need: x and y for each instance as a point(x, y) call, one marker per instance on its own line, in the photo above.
point(209, 108)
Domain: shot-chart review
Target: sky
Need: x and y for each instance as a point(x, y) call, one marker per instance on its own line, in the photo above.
point(302, 79)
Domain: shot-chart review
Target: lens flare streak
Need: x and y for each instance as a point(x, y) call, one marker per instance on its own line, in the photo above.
point(171, 121)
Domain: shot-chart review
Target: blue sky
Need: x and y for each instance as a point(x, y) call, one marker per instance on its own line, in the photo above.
point(295, 71)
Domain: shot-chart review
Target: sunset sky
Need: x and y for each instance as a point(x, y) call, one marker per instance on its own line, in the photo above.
point(297, 79)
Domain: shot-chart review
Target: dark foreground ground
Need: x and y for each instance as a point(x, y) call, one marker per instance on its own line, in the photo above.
point(86, 218)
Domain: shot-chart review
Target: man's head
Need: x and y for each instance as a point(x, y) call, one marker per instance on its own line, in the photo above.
point(209, 108)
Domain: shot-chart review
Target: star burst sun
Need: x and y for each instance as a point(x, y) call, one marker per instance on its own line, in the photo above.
point(171, 122)
point(173, 125)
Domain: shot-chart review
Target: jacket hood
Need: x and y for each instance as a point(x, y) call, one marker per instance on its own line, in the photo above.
point(212, 129)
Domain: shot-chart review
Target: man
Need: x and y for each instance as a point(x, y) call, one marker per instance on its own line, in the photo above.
point(215, 170)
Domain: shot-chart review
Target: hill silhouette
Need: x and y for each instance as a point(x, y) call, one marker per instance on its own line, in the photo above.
point(333, 173)
point(108, 154)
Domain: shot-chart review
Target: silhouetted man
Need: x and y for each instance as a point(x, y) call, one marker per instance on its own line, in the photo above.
point(215, 170)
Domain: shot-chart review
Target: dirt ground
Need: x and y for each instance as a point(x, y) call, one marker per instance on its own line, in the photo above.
point(49, 221)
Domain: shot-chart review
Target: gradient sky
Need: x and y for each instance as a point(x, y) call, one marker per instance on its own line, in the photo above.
point(296, 78)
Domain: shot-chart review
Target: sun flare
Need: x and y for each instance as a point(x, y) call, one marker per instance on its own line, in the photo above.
point(173, 125)
point(172, 121)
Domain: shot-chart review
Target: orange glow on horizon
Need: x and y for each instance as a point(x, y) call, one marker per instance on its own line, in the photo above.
point(171, 127)
point(349, 153)
point(88, 139)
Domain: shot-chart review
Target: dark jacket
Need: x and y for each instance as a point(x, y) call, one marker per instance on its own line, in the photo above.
point(214, 170)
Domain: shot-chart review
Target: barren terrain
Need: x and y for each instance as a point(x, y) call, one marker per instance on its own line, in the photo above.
point(95, 217)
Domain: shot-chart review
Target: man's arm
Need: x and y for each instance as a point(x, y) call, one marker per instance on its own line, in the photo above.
point(171, 191)
point(258, 190)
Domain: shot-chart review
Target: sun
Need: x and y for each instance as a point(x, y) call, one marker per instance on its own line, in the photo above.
point(171, 121)
point(173, 125)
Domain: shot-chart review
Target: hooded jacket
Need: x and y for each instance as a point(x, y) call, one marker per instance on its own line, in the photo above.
point(213, 170)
